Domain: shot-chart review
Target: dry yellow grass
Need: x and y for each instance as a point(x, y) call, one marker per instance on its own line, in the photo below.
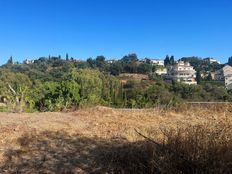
point(97, 128)
point(124, 77)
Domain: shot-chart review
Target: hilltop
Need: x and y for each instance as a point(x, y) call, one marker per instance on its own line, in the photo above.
point(56, 84)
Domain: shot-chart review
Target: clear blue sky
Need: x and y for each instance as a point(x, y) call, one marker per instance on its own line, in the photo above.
point(87, 28)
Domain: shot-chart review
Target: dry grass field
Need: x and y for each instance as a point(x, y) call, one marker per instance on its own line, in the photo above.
point(124, 77)
point(105, 140)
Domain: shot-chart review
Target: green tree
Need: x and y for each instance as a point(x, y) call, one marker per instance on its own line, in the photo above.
point(130, 63)
point(67, 57)
point(57, 96)
point(167, 60)
point(198, 77)
point(159, 95)
point(101, 63)
point(172, 60)
point(209, 77)
point(91, 63)
point(130, 58)
point(90, 86)
point(144, 68)
point(115, 68)
point(230, 61)
point(10, 61)
point(14, 87)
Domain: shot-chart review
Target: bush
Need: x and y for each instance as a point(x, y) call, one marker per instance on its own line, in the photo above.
point(194, 149)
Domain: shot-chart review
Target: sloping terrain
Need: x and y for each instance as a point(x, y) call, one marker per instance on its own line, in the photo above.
point(79, 142)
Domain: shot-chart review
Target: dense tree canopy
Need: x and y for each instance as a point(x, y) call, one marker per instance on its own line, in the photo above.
point(55, 84)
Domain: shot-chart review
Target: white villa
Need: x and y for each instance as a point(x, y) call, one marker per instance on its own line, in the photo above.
point(225, 74)
point(28, 62)
point(211, 60)
point(158, 62)
point(182, 72)
point(161, 71)
point(111, 61)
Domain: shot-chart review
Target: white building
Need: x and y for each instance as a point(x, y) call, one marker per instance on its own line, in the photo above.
point(225, 74)
point(211, 60)
point(28, 62)
point(182, 72)
point(111, 61)
point(161, 71)
point(158, 62)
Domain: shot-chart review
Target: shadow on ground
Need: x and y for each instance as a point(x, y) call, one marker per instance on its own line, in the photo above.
point(60, 153)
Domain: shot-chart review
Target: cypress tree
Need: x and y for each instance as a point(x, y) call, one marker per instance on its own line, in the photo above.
point(172, 60)
point(167, 61)
point(198, 77)
point(67, 57)
point(230, 61)
point(10, 61)
point(209, 77)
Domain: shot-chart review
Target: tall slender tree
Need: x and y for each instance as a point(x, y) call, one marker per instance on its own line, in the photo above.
point(67, 57)
point(10, 61)
point(230, 61)
point(167, 61)
point(209, 77)
point(172, 60)
point(198, 77)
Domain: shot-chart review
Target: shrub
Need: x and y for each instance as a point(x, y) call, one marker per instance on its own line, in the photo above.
point(194, 149)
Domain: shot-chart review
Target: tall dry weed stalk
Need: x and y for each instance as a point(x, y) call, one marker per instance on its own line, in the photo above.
point(191, 150)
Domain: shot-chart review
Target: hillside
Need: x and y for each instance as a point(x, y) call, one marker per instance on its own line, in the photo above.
point(54, 84)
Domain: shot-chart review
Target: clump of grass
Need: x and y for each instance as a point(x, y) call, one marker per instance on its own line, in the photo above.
point(193, 149)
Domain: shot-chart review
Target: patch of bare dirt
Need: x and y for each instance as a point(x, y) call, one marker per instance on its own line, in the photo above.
point(87, 130)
